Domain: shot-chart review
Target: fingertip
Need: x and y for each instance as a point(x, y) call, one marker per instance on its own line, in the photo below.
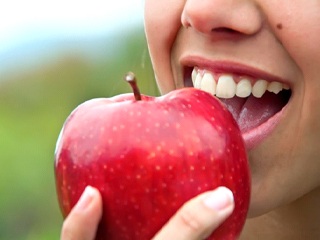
point(200, 216)
point(83, 220)
point(88, 195)
point(219, 199)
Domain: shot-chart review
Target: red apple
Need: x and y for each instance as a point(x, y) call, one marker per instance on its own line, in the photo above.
point(148, 156)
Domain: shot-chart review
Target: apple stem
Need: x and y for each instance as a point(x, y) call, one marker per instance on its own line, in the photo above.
point(131, 79)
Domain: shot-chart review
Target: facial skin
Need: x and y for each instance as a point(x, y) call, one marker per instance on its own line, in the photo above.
point(264, 39)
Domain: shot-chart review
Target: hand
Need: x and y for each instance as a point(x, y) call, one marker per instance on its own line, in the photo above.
point(199, 217)
point(83, 220)
point(195, 220)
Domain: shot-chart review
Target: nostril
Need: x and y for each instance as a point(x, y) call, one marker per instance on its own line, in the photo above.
point(223, 30)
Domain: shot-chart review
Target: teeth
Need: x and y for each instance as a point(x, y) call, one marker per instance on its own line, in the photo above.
point(197, 82)
point(244, 88)
point(194, 74)
point(208, 84)
point(226, 87)
point(259, 88)
point(286, 87)
point(275, 87)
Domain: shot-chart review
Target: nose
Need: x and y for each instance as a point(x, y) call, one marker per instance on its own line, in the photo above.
point(216, 16)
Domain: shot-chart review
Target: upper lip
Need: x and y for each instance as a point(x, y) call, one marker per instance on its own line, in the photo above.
point(232, 67)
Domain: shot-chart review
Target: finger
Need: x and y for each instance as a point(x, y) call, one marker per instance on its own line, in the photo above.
point(83, 220)
point(199, 217)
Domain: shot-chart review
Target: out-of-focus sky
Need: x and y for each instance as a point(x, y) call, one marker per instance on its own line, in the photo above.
point(22, 18)
point(27, 21)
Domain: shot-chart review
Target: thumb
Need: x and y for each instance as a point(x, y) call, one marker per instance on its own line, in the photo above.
point(199, 217)
point(83, 220)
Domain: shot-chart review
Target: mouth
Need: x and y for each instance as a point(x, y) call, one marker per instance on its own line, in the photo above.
point(256, 104)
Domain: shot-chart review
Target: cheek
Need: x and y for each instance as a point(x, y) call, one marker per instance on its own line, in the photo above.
point(302, 41)
point(162, 22)
point(299, 31)
point(302, 38)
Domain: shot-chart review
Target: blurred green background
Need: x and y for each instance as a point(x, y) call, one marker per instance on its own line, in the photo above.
point(35, 99)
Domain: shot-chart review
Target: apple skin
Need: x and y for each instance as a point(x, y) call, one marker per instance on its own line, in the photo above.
point(149, 157)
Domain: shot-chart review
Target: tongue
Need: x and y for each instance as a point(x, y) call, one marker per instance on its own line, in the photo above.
point(252, 112)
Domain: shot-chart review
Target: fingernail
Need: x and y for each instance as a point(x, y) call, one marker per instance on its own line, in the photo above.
point(85, 198)
point(219, 199)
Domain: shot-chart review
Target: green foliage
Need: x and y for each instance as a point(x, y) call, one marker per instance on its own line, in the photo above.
point(33, 106)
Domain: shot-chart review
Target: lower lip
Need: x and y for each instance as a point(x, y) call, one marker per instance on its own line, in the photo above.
point(254, 137)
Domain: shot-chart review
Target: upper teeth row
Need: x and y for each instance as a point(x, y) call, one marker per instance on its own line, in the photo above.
point(226, 87)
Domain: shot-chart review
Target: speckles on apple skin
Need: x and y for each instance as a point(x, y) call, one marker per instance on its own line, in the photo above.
point(191, 153)
point(136, 207)
point(153, 141)
point(151, 155)
point(164, 185)
point(170, 167)
point(171, 152)
point(147, 130)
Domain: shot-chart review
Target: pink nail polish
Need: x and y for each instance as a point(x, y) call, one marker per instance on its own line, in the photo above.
point(219, 199)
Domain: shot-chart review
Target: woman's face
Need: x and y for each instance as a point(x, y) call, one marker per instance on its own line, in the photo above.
point(243, 46)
